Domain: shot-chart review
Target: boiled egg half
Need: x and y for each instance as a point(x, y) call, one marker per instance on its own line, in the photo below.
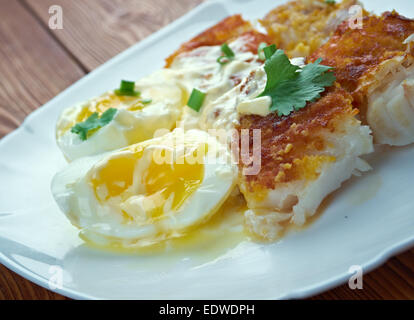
point(147, 192)
point(158, 105)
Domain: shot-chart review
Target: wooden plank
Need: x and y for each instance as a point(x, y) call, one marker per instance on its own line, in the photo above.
point(96, 30)
point(33, 67)
point(14, 287)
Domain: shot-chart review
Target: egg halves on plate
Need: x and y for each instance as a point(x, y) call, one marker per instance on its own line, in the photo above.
point(147, 192)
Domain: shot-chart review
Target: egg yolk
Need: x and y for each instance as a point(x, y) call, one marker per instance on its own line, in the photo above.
point(106, 102)
point(114, 178)
point(178, 181)
point(165, 186)
point(110, 101)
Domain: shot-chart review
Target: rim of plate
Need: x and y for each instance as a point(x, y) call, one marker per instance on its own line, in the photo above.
point(306, 292)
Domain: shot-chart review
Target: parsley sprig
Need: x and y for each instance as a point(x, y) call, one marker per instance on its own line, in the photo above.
point(290, 86)
point(94, 122)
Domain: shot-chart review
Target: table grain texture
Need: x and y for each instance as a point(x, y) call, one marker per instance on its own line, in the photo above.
point(36, 63)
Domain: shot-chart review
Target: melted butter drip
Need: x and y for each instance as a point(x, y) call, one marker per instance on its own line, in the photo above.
point(206, 242)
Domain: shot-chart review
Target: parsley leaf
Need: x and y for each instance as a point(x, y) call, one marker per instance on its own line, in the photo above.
point(269, 51)
point(291, 87)
point(83, 129)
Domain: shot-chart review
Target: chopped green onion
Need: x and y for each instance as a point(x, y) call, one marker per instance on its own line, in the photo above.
point(196, 99)
point(260, 50)
point(227, 56)
point(127, 85)
point(269, 51)
point(223, 60)
point(146, 101)
point(127, 88)
point(330, 1)
point(227, 51)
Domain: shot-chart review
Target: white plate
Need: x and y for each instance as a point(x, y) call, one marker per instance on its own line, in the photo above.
point(370, 219)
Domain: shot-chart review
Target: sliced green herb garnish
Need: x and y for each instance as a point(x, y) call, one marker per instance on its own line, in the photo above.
point(227, 51)
point(290, 86)
point(127, 88)
point(330, 1)
point(94, 122)
point(146, 101)
point(196, 99)
point(227, 56)
point(223, 60)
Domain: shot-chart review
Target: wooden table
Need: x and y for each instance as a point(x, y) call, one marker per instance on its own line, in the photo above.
point(36, 63)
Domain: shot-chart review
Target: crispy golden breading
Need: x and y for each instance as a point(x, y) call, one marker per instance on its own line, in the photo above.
point(302, 26)
point(304, 157)
point(225, 31)
point(376, 65)
point(292, 147)
point(355, 52)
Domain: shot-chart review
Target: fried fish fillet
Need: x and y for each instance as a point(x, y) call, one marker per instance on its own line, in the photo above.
point(304, 157)
point(376, 65)
point(226, 30)
point(300, 27)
